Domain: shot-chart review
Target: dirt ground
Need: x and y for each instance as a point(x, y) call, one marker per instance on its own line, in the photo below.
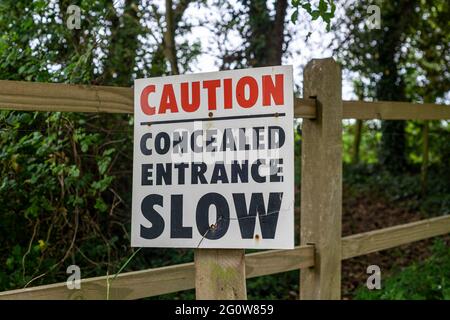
point(364, 213)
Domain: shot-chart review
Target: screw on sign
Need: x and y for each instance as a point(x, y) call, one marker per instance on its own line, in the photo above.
point(213, 160)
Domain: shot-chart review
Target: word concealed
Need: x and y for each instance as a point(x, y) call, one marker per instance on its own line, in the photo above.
point(213, 140)
point(245, 91)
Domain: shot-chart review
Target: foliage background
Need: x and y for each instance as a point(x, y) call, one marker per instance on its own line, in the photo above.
point(65, 178)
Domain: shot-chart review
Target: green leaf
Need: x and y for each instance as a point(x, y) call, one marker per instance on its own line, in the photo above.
point(315, 14)
point(10, 262)
point(100, 205)
point(294, 16)
point(103, 164)
point(102, 184)
point(107, 152)
point(333, 7)
point(74, 171)
point(307, 7)
point(323, 6)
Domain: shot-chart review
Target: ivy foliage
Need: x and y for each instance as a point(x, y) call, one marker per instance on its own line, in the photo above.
point(65, 178)
point(325, 10)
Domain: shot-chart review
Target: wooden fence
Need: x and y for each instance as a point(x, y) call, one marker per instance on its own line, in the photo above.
point(322, 247)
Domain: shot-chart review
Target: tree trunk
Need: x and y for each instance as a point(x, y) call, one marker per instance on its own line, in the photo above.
point(425, 152)
point(392, 154)
point(123, 45)
point(276, 37)
point(266, 37)
point(393, 146)
point(169, 39)
point(391, 86)
point(357, 141)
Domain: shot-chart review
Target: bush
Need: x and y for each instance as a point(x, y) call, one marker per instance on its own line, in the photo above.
point(403, 189)
point(426, 280)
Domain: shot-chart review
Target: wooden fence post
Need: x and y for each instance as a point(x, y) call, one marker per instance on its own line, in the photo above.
point(220, 274)
point(321, 182)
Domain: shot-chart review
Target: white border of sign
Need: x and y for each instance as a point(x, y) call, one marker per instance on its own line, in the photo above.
point(173, 204)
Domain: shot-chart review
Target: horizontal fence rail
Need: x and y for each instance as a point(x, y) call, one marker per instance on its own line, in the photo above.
point(58, 97)
point(390, 110)
point(153, 282)
point(378, 240)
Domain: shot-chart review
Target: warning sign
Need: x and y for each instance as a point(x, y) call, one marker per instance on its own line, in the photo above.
point(214, 160)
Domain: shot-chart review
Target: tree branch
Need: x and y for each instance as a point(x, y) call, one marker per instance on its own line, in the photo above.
point(169, 38)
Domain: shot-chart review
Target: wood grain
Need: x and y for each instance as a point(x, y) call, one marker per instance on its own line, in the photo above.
point(157, 281)
point(36, 96)
point(276, 261)
point(305, 108)
point(388, 110)
point(220, 274)
point(373, 241)
point(321, 181)
point(130, 285)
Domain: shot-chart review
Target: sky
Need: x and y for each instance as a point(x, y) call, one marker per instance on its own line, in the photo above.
point(300, 50)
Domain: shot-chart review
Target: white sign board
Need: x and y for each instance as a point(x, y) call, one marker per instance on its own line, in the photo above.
point(214, 160)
